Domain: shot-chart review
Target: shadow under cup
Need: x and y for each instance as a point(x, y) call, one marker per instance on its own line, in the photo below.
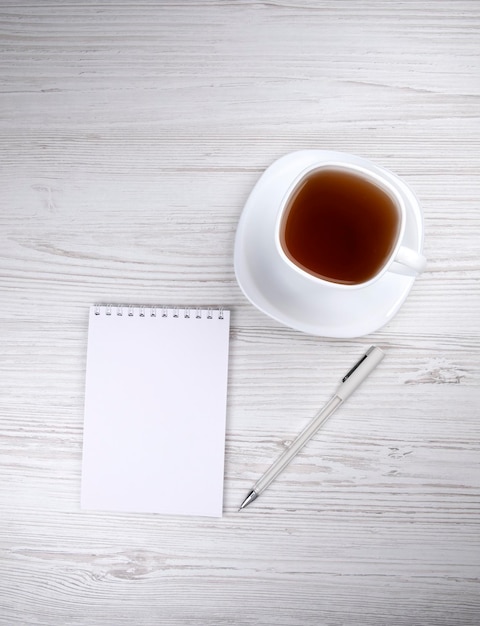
point(340, 226)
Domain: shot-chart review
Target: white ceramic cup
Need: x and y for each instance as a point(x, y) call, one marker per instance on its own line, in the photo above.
point(401, 259)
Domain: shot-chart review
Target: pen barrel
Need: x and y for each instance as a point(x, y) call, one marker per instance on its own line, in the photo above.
point(306, 434)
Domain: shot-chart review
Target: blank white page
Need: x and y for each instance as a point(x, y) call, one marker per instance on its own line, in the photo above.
point(155, 410)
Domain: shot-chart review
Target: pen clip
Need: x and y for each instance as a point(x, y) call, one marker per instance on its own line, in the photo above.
point(359, 362)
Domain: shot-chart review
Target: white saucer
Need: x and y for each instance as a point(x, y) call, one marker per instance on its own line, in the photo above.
point(281, 294)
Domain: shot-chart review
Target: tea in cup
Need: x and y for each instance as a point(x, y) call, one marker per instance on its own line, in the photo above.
point(343, 225)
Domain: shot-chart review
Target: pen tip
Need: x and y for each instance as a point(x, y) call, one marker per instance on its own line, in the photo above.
point(253, 495)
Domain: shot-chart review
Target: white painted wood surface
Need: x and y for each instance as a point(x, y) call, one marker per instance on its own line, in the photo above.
point(131, 135)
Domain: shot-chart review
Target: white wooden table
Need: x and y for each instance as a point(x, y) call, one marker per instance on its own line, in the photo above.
point(131, 136)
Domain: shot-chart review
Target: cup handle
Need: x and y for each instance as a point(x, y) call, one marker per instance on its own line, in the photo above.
point(408, 262)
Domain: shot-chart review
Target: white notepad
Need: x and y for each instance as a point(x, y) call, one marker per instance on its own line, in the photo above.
point(155, 410)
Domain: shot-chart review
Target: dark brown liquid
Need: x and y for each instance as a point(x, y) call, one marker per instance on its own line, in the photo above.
point(340, 227)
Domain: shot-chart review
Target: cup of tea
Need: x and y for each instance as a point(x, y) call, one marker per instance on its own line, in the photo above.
point(329, 243)
point(343, 225)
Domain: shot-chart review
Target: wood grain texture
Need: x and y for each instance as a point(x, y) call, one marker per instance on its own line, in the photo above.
point(132, 134)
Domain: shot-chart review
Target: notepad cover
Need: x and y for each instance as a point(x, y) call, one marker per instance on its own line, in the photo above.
point(155, 410)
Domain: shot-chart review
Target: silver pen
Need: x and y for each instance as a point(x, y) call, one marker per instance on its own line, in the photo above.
point(356, 375)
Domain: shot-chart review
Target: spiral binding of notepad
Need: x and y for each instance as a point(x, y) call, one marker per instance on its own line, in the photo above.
point(155, 310)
